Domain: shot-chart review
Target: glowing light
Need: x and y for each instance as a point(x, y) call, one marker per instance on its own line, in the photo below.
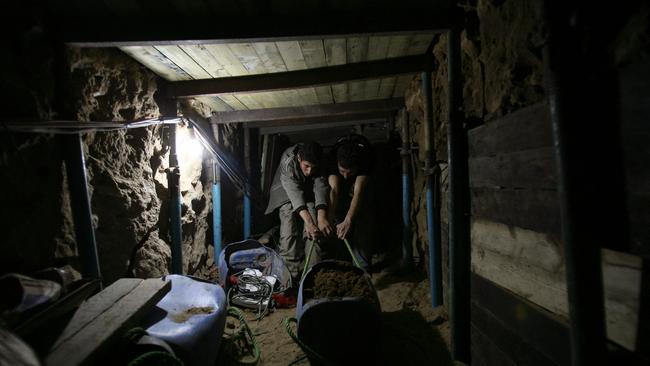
point(188, 147)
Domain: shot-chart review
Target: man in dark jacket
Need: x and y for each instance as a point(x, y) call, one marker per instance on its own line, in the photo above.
point(300, 192)
point(351, 164)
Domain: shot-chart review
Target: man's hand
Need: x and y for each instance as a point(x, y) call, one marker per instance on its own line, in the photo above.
point(343, 228)
point(324, 226)
point(312, 231)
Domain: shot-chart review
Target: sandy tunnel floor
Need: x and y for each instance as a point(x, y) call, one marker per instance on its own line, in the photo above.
point(412, 332)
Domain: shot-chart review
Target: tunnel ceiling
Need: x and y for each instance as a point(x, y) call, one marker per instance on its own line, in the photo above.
point(190, 40)
point(205, 61)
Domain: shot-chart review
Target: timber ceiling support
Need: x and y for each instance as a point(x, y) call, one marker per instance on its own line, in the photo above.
point(320, 113)
point(85, 28)
point(301, 78)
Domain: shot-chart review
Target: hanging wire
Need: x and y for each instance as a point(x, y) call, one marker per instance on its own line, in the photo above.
point(73, 127)
point(230, 167)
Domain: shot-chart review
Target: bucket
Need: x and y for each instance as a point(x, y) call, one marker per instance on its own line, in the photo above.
point(344, 330)
point(191, 318)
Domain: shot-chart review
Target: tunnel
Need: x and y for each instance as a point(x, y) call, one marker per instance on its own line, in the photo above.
point(494, 207)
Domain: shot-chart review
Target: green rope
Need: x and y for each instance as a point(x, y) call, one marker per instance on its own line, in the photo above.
point(308, 350)
point(354, 258)
point(242, 332)
point(311, 250)
point(149, 358)
point(156, 358)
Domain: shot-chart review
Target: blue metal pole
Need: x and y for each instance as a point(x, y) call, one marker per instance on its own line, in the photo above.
point(433, 211)
point(81, 210)
point(407, 249)
point(173, 177)
point(216, 213)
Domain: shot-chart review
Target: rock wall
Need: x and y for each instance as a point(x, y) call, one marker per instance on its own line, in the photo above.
point(501, 72)
point(126, 171)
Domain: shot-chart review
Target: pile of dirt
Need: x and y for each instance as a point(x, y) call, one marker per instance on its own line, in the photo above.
point(329, 282)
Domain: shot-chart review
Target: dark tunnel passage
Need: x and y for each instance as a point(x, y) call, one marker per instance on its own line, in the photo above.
point(443, 182)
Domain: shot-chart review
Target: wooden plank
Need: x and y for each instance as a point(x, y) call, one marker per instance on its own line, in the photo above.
point(401, 84)
point(398, 45)
point(205, 58)
point(184, 61)
point(419, 44)
point(324, 110)
point(96, 305)
point(527, 128)
point(157, 62)
point(314, 54)
point(520, 169)
point(215, 103)
point(336, 54)
point(537, 210)
point(377, 50)
point(294, 60)
point(526, 333)
point(301, 78)
point(273, 62)
point(312, 125)
point(484, 351)
point(168, 28)
point(357, 51)
point(92, 341)
point(320, 119)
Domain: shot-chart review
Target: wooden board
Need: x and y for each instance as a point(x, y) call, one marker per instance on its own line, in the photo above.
point(336, 54)
point(527, 128)
point(157, 62)
point(294, 60)
point(101, 321)
point(534, 168)
point(531, 265)
point(537, 210)
point(525, 333)
point(357, 51)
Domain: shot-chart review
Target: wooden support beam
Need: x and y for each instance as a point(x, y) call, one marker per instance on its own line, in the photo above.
point(318, 126)
point(301, 78)
point(343, 118)
point(145, 28)
point(319, 113)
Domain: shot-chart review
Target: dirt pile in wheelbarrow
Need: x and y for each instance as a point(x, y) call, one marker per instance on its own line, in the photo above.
point(339, 283)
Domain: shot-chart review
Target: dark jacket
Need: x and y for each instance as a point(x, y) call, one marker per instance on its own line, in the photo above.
point(290, 185)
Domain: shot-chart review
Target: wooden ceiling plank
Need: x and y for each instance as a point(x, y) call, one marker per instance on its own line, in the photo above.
point(227, 59)
point(357, 51)
point(419, 44)
point(319, 110)
point(184, 61)
point(318, 120)
point(273, 62)
point(397, 47)
point(301, 78)
point(336, 54)
point(202, 56)
point(217, 104)
point(294, 60)
point(248, 58)
point(233, 102)
point(314, 54)
point(157, 62)
point(377, 50)
point(401, 84)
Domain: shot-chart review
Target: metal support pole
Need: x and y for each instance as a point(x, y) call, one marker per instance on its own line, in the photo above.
point(216, 212)
point(173, 177)
point(407, 249)
point(459, 239)
point(81, 210)
point(578, 77)
point(433, 211)
point(247, 189)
